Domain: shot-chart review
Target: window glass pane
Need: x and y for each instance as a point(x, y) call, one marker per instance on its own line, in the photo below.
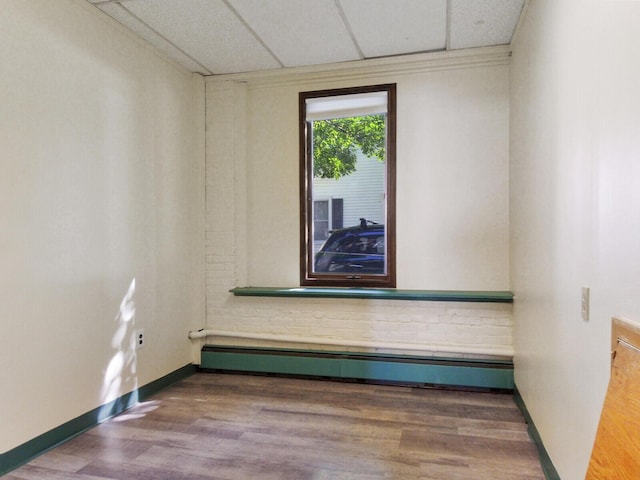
point(336, 213)
point(320, 220)
point(341, 168)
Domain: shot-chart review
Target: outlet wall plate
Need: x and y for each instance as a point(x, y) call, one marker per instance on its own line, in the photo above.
point(139, 339)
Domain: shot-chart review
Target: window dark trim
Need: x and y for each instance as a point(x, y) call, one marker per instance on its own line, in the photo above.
point(307, 276)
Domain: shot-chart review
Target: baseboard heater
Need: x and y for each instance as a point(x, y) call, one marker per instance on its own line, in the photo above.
point(369, 367)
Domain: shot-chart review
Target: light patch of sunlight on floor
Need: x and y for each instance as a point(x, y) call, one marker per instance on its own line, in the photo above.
point(139, 411)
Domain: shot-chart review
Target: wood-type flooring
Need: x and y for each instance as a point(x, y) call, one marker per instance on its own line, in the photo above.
point(235, 427)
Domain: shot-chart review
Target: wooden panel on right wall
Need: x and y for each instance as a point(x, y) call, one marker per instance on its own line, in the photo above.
point(616, 452)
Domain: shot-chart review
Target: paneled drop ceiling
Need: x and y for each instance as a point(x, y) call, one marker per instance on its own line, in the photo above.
point(214, 37)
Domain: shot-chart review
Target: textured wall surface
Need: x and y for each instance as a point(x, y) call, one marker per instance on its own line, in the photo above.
point(102, 207)
point(452, 210)
point(575, 210)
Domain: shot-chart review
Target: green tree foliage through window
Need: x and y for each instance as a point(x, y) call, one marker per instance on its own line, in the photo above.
point(335, 142)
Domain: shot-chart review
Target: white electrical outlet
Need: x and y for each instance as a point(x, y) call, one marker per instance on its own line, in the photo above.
point(585, 303)
point(139, 339)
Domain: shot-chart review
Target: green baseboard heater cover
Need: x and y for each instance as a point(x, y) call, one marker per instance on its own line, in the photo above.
point(399, 369)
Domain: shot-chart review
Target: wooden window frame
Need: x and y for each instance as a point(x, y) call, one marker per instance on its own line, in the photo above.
point(307, 276)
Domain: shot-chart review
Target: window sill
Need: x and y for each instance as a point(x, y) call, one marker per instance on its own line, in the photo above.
point(377, 294)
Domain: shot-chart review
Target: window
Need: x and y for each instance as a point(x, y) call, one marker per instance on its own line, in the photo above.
point(347, 187)
point(326, 213)
point(320, 220)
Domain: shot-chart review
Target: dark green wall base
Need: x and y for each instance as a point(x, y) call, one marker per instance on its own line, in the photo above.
point(31, 449)
point(548, 468)
point(404, 369)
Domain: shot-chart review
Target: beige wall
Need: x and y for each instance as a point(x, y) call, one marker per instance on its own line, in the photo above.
point(575, 210)
point(452, 203)
point(101, 167)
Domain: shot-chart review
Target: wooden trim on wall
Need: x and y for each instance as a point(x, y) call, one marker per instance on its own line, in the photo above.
point(616, 450)
point(625, 330)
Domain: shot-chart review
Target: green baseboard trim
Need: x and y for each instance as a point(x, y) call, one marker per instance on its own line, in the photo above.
point(377, 294)
point(27, 451)
point(548, 468)
point(400, 369)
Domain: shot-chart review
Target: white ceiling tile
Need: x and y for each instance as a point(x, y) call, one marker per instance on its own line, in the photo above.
point(482, 23)
point(299, 32)
point(206, 30)
point(231, 36)
point(143, 31)
point(394, 27)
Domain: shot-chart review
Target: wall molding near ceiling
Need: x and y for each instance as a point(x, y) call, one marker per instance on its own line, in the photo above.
point(371, 68)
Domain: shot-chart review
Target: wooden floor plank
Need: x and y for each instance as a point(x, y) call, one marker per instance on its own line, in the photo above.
point(234, 427)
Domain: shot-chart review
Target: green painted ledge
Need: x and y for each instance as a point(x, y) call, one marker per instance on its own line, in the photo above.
point(377, 294)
